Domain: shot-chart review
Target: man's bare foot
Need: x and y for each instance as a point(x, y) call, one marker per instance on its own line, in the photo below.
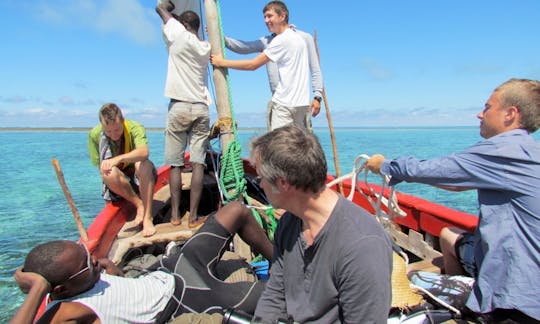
point(148, 228)
point(175, 221)
point(197, 222)
point(129, 229)
point(133, 225)
point(138, 218)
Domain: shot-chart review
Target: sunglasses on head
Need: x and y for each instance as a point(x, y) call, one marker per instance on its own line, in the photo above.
point(88, 263)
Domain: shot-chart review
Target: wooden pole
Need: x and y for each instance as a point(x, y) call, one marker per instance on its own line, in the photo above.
point(71, 203)
point(219, 75)
point(223, 105)
point(330, 124)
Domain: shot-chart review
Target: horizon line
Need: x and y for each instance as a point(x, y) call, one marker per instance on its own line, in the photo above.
point(82, 128)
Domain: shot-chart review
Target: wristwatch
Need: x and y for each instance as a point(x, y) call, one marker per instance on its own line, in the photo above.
point(317, 98)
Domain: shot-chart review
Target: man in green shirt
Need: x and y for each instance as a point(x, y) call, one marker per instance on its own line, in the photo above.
point(119, 148)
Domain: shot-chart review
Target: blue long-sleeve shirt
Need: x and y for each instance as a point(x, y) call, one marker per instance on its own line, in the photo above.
point(505, 170)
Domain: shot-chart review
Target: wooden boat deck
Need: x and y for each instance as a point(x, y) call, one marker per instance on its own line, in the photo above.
point(432, 265)
point(131, 237)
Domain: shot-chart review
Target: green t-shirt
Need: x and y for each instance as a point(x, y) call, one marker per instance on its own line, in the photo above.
point(136, 132)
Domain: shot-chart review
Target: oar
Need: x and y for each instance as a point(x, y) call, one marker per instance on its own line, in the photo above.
point(71, 203)
point(330, 125)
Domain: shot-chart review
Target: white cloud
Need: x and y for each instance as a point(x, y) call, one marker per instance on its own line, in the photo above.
point(50, 14)
point(80, 113)
point(479, 68)
point(38, 112)
point(65, 100)
point(127, 18)
point(80, 85)
point(403, 117)
point(375, 69)
point(76, 113)
point(8, 113)
point(13, 99)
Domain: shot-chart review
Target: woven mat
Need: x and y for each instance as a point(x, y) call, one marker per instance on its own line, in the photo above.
point(403, 295)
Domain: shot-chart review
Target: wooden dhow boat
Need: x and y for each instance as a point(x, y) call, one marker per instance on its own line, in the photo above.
point(413, 223)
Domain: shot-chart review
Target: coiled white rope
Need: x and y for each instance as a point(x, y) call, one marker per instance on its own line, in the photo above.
point(391, 203)
point(359, 166)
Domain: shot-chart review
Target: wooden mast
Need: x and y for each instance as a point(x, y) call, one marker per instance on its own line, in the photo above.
point(219, 75)
point(223, 105)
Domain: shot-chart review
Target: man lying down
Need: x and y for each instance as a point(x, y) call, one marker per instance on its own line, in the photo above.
point(185, 282)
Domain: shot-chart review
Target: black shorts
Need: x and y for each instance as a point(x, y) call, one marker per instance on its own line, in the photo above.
point(198, 289)
point(465, 253)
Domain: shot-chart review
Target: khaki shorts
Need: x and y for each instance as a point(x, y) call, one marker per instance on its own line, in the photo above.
point(186, 122)
point(279, 116)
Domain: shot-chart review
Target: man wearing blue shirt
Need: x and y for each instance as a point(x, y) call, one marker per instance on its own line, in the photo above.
point(505, 170)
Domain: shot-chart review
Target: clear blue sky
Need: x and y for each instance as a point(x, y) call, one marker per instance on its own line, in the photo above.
point(384, 63)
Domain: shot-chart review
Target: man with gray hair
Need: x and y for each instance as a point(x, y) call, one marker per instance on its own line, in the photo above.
point(332, 259)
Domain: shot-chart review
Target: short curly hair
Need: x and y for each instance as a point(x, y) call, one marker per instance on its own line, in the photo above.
point(44, 260)
point(525, 95)
point(110, 113)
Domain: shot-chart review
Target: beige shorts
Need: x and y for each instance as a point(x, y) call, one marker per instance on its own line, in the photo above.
point(279, 116)
point(186, 122)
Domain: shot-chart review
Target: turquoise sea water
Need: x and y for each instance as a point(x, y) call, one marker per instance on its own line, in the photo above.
point(33, 208)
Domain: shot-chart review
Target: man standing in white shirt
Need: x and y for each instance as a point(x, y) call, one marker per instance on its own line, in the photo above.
point(188, 118)
point(290, 102)
point(258, 45)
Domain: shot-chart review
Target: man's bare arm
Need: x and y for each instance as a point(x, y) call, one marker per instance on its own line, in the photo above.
point(164, 10)
point(36, 287)
point(141, 153)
